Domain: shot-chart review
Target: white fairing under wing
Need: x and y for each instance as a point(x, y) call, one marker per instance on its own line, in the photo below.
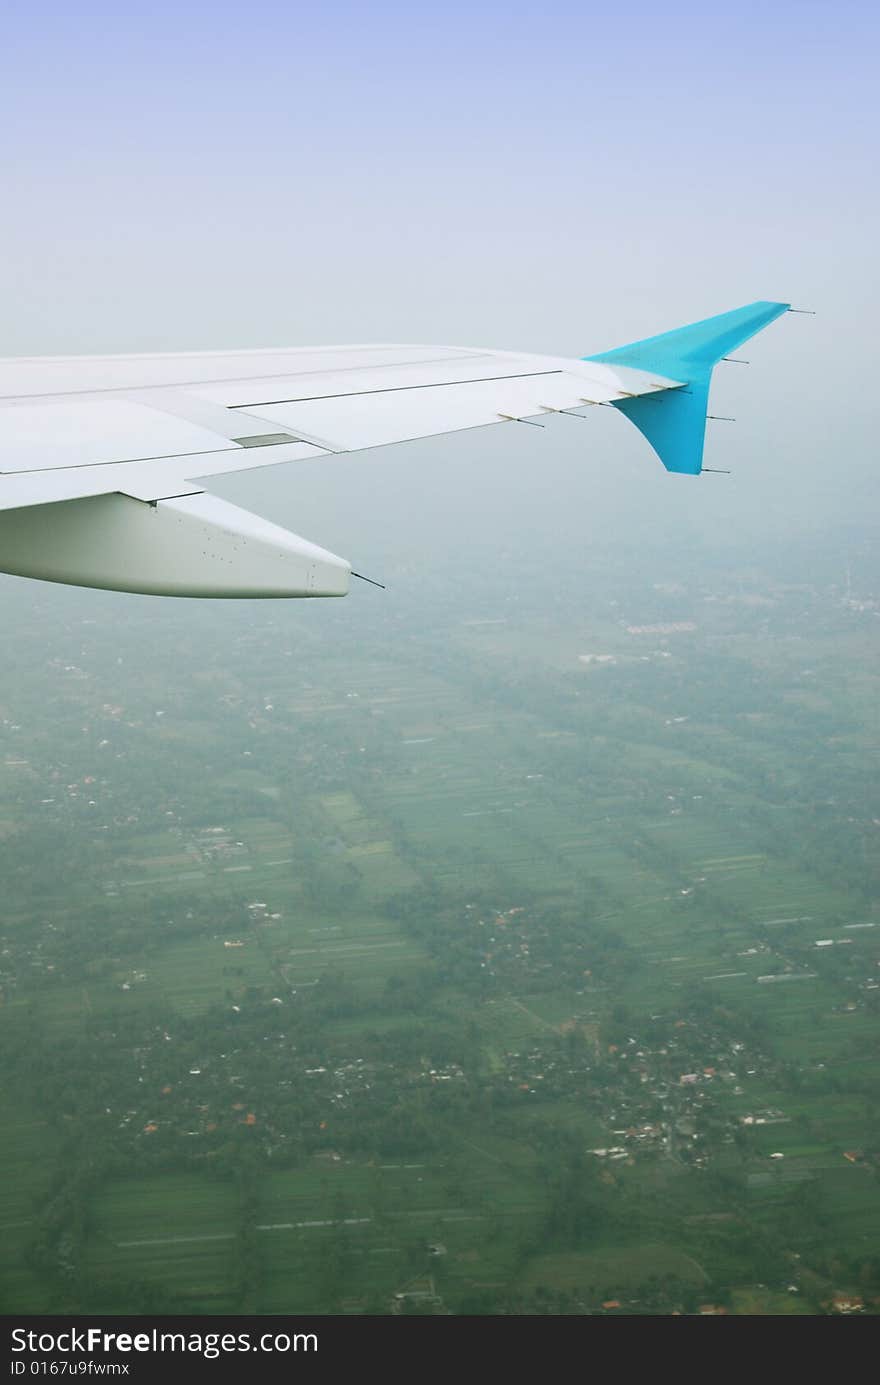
point(195, 545)
point(105, 461)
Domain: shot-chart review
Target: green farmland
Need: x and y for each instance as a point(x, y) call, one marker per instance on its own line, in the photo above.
point(437, 970)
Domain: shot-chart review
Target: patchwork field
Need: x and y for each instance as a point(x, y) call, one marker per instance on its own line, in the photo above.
point(453, 974)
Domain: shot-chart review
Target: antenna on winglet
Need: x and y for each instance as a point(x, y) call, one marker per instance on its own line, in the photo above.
point(362, 578)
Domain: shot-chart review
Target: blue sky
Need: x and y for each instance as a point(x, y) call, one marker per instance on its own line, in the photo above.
point(552, 177)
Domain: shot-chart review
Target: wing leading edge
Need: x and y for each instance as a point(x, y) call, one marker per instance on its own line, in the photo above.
point(105, 462)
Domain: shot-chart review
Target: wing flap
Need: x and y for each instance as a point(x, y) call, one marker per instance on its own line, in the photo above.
point(355, 421)
point(150, 481)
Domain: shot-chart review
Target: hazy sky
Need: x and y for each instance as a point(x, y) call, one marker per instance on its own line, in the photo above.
point(558, 177)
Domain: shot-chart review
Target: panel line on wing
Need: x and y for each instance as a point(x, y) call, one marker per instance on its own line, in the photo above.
point(68, 368)
point(129, 461)
point(234, 452)
point(398, 389)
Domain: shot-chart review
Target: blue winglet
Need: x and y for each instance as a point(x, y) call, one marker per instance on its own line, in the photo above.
point(674, 421)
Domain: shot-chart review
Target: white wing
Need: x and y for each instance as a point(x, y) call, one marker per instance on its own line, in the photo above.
point(106, 462)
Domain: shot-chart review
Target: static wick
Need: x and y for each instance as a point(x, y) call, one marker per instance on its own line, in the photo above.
point(716, 470)
point(807, 312)
point(721, 418)
point(511, 418)
point(362, 578)
point(735, 360)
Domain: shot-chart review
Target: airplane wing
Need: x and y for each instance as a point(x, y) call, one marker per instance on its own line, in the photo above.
point(106, 462)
